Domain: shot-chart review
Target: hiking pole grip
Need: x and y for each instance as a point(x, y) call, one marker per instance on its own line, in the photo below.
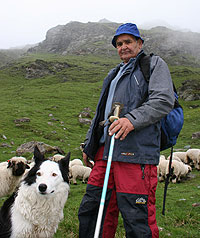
point(106, 178)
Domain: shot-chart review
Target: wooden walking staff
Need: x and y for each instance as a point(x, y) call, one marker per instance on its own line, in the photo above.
point(117, 108)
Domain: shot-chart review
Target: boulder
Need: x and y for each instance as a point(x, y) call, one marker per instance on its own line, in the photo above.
point(44, 148)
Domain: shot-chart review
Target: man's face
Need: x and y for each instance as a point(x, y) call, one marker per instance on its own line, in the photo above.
point(128, 47)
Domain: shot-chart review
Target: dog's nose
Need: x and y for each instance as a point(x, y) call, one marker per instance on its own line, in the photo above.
point(42, 187)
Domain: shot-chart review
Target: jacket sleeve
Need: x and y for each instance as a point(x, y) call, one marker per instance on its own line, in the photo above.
point(160, 97)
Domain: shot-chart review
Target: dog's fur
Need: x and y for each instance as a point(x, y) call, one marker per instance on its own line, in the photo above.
point(36, 208)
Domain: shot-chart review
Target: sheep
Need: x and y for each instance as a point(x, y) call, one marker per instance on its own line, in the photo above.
point(193, 155)
point(174, 157)
point(31, 164)
point(11, 173)
point(82, 147)
point(57, 157)
point(79, 171)
point(186, 169)
point(161, 168)
point(75, 162)
point(179, 170)
point(181, 155)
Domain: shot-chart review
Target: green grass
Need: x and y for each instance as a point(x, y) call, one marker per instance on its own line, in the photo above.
point(65, 94)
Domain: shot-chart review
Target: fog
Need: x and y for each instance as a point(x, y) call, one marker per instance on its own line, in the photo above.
point(25, 22)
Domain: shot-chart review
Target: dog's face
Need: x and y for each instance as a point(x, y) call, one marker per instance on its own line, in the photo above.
point(47, 176)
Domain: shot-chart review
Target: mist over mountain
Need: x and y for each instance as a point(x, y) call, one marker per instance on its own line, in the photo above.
point(157, 22)
point(76, 38)
point(176, 47)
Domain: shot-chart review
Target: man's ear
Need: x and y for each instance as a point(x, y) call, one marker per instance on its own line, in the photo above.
point(140, 43)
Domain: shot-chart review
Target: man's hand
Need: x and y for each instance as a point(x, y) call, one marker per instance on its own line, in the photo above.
point(86, 161)
point(122, 127)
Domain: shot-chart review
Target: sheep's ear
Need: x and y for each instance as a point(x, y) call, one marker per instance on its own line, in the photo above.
point(9, 164)
point(38, 156)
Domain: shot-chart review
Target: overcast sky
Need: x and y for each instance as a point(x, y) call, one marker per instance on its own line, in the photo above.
point(27, 21)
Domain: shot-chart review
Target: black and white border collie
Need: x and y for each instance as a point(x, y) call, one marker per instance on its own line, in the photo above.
point(36, 208)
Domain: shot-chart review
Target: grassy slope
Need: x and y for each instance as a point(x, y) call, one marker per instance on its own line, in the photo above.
point(65, 95)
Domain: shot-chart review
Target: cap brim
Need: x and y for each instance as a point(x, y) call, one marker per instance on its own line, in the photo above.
point(115, 38)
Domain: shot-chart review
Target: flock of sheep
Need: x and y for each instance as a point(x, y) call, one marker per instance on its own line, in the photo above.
point(14, 170)
point(76, 169)
point(182, 164)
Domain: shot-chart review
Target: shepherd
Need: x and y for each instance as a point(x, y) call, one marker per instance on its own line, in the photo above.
point(133, 173)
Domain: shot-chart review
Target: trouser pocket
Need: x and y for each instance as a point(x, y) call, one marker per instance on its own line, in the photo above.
point(134, 210)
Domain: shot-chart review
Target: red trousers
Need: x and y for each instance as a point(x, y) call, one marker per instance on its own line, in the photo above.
point(126, 180)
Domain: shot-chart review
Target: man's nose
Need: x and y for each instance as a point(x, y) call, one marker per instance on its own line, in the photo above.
point(124, 45)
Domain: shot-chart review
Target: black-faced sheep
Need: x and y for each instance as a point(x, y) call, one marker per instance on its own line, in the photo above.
point(194, 156)
point(11, 173)
point(179, 170)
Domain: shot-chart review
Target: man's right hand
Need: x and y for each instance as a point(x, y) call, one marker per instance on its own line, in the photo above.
point(86, 161)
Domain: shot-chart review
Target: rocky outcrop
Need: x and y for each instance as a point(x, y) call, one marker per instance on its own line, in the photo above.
point(78, 38)
point(190, 90)
point(40, 68)
point(85, 116)
point(95, 38)
point(196, 135)
point(44, 148)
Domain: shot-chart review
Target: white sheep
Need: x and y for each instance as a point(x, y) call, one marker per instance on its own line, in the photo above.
point(75, 162)
point(80, 172)
point(179, 170)
point(11, 173)
point(57, 157)
point(161, 168)
point(181, 155)
point(174, 157)
point(193, 155)
point(186, 169)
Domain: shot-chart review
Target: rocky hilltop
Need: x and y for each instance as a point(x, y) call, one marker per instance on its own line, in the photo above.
point(78, 38)
point(95, 38)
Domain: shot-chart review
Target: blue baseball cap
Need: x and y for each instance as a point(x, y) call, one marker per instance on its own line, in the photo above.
point(127, 28)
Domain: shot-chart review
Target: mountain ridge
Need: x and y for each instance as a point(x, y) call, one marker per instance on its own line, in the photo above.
point(78, 38)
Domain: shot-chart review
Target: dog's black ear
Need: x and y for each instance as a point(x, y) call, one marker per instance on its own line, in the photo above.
point(65, 161)
point(64, 167)
point(38, 156)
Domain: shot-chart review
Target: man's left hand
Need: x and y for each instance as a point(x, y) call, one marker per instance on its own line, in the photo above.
point(121, 127)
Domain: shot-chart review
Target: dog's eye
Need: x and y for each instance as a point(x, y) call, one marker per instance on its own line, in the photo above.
point(38, 174)
point(54, 174)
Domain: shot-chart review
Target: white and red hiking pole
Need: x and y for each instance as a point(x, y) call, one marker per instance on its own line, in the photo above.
point(117, 107)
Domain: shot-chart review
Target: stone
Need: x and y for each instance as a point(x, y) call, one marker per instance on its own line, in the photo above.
point(44, 148)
